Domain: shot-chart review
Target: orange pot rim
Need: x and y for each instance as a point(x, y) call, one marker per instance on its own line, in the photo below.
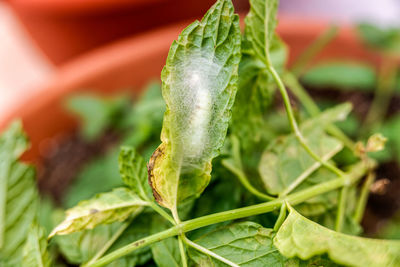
point(76, 7)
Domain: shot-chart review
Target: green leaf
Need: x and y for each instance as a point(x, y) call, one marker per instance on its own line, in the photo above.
point(166, 252)
point(323, 208)
point(18, 193)
point(133, 170)
point(35, 252)
point(140, 128)
point(260, 48)
point(260, 27)
point(140, 228)
point(285, 164)
point(255, 94)
point(96, 113)
point(321, 204)
point(223, 194)
point(80, 247)
point(319, 261)
point(199, 87)
point(103, 170)
point(145, 119)
point(246, 244)
point(341, 75)
point(390, 129)
point(386, 40)
point(301, 237)
point(104, 208)
point(391, 229)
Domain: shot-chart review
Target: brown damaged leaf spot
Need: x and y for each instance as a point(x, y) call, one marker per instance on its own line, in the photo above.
point(150, 166)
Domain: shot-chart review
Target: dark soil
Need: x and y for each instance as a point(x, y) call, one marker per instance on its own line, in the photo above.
point(384, 199)
point(64, 159)
point(360, 101)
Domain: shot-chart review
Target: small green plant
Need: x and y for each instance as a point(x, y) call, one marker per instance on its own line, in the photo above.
point(234, 181)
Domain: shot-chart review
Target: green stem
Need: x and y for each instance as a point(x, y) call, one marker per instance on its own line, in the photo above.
point(341, 209)
point(383, 94)
point(175, 215)
point(356, 173)
point(281, 217)
point(182, 250)
point(210, 253)
point(245, 181)
point(311, 107)
point(306, 173)
point(162, 212)
point(135, 245)
point(312, 50)
point(362, 201)
point(237, 168)
point(294, 126)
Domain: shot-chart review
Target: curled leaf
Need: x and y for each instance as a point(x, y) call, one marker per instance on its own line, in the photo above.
point(199, 87)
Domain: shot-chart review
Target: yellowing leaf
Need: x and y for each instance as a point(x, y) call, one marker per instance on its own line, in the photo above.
point(376, 142)
point(298, 236)
point(105, 208)
point(199, 87)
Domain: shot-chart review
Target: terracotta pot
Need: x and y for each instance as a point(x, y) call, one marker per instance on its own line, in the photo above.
point(63, 29)
point(131, 63)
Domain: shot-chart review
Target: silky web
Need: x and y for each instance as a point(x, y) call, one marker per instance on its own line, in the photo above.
point(195, 90)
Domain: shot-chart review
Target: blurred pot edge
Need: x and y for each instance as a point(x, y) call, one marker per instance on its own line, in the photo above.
point(132, 62)
point(65, 29)
point(69, 7)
